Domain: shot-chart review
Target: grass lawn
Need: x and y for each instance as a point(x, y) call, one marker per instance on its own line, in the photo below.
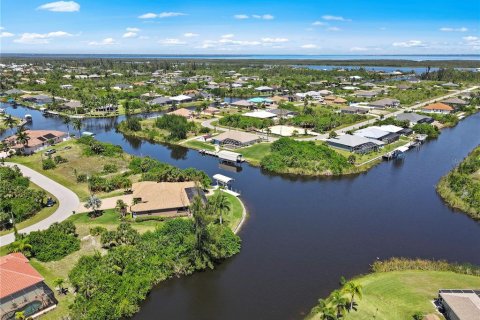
point(110, 220)
point(42, 214)
point(254, 154)
point(399, 294)
point(64, 173)
point(234, 216)
point(199, 145)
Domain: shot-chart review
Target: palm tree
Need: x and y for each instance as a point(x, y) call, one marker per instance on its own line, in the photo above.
point(222, 204)
point(201, 220)
point(354, 290)
point(121, 206)
point(93, 203)
point(22, 136)
point(59, 282)
point(77, 125)
point(20, 315)
point(324, 310)
point(67, 121)
point(10, 121)
point(21, 245)
point(338, 300)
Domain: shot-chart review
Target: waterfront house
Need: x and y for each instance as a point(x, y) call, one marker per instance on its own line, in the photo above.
point(355, 143)
point(107, 108)
point(376, 133)
point(455, 102)
point(22, 288)
point(414, 118)
point(264, 89)
point(13, 92)
point(242, 104)
point(261, 114)
point(183, 112)
point(181, 98)
point(38, 99)
point(72, 105)
point(160, 101)
point(236, 139)
point(168, 199)
point(438, 108)
point(460, 304)
point(39, 139)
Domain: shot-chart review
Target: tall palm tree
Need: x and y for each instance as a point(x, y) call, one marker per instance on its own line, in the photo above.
point(121, 206)
point(22, 136)
point(77, 125)
point(354, 290)
point(222, 204)
point(67, 121)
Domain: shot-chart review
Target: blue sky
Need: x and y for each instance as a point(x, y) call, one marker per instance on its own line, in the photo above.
point(241, 27)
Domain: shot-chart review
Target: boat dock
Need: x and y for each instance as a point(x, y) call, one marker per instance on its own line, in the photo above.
point(224, 155)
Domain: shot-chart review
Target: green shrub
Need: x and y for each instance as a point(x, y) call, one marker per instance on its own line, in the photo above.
point(110, 168)
point(58, 241)
point(82, 177)
point(96, 231)
point(48, 164)
point(59, 159)
point(149, 218)
point(431, 131)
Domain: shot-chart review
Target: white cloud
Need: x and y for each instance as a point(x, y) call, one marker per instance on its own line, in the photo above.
point(2, 28)
point(161, 15)
point(358, 49)
point(471, 38)
point(226, 36)
point(409, 44)
point(334, 29)
point(190, 35)
point(5, 34)
point(130, 34)
point(60, 6)
point(171, 42)
point(308, 46)
point(334, 18)
point(263, 16)
point(241, 16)
point(319, 23)
point(104, 42)
point(274, 40)
point(472, 41)
point(228, 41)
point(133, 29)
point(41, 38)
point(447, 29)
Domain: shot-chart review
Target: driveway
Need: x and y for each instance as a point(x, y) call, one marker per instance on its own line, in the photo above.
point(68, 202)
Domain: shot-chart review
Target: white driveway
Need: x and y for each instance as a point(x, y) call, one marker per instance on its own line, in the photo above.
point(68, 202)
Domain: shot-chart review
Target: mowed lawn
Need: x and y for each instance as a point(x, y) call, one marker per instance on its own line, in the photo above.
point(254, 154)
point(78, 163)
point(399, 294)
point(234, 216)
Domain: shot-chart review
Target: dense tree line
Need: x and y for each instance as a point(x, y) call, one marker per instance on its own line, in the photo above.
point(18, 201)
point(112, 286)
point(177, 126)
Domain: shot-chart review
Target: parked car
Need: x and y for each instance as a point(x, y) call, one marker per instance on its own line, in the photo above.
point(50, 152)
point(50, 202)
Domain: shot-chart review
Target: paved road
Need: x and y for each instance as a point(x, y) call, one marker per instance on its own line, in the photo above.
point(68, 202)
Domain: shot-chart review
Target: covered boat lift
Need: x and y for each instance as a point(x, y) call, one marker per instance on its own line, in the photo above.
point(229, 156)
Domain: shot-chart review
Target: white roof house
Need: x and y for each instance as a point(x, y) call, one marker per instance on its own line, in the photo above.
point(391, 128)
point(181, 98)
point(264, 88)
point(371, 133)
point(260, 114)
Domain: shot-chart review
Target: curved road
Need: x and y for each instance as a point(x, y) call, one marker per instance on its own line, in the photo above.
point(68, 202)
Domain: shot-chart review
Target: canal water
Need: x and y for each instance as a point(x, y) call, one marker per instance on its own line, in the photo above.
point(303, 234)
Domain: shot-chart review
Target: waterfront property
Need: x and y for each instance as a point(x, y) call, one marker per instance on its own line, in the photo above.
point(183, 112)
point(236, 139)
point(355, 143)
point(38, 140)
point(414, 118)
point(378, 134)
point(22, 288)
point(460, 304)
point(164, 198)
point(438, 107)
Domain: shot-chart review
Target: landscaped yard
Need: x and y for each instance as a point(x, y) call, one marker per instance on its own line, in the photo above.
point(399, 294)
point(199, 145)
point(77, 163)
point(254, 154)
point(234, 216)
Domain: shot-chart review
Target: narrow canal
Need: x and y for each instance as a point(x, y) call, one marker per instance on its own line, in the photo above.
point(303, 234)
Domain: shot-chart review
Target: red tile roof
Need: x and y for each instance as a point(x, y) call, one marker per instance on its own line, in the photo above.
point(16, 274)
point(439, 106)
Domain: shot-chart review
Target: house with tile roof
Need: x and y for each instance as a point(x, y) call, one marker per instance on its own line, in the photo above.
point(22, 288)
point(438, 107)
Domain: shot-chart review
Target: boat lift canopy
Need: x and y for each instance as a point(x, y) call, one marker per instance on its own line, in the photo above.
point(223, 179)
